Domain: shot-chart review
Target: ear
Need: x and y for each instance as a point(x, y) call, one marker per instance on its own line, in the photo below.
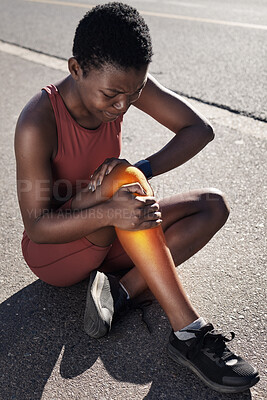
point(75, 69)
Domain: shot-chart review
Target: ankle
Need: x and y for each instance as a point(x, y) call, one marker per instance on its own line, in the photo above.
point(183, 321)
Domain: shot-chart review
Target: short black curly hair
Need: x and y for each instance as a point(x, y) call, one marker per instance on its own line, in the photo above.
point(112, 33)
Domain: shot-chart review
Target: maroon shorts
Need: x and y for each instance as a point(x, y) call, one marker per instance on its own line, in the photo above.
point(69, 263)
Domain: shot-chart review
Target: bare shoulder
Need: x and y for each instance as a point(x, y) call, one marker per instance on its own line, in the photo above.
point(167, 107)
point(36, 125)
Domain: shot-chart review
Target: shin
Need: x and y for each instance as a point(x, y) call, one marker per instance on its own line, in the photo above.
point(150, 254)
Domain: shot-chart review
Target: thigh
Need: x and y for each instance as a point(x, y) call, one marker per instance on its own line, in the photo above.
point(117, 260)
point(183, 205)
point(63, 264)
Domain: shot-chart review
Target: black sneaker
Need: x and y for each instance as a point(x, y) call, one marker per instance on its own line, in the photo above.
point(105, 300)
point(208, 357)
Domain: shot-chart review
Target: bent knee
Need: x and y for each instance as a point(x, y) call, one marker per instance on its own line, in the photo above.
point(216, 205)
point(124, 174)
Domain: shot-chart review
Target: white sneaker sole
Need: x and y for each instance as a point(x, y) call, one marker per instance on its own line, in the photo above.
point(99, 307)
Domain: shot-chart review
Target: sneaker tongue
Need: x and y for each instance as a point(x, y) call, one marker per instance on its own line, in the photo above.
point(114, 286)
point(118, 294)
point(120, 300)
point(182, 335)
point(186, 333)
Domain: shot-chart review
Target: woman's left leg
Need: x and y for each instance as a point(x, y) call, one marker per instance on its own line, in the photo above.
point(189, 221)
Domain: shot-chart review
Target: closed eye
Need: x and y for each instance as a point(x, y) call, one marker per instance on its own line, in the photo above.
point(109, 97)
point(112, 97)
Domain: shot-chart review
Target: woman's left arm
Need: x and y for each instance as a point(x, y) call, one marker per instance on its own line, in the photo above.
point(192, 131)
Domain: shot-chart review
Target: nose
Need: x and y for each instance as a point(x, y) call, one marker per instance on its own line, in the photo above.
point(118, 105)
point(122, 104)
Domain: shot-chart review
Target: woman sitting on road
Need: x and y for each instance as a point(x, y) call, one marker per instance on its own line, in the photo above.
point(88, 213)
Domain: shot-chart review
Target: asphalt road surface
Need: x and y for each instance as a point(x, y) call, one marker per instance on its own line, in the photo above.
point(44, 354)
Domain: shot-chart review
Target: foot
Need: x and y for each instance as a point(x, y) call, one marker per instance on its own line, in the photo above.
point(209, 358)
point(105, 300)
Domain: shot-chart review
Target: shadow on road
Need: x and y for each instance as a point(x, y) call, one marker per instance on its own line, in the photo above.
point(39, 320)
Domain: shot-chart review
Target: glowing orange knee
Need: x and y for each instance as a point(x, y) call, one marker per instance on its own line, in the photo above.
point(123, 175)
point(145, 247)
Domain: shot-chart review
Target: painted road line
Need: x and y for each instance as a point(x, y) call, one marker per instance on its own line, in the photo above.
point(162, 15)
point(34, 56)
point(206, 20)
point(222, 117)
point(179, 3)
point(63, 3)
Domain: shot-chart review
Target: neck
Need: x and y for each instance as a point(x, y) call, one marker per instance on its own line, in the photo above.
point(71, 97)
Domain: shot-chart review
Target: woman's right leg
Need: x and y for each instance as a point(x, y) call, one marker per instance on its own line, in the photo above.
point(150, 254)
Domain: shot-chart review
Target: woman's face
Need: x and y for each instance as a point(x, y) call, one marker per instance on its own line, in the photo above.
point(108, 92)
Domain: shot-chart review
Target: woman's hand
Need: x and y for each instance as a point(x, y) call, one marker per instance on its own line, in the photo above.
point(104, 169)
point(131, 210)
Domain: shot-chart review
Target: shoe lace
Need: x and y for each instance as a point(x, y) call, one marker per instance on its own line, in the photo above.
point(212, 340)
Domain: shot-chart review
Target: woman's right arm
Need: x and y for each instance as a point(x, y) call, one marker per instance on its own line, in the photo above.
point(34, 148)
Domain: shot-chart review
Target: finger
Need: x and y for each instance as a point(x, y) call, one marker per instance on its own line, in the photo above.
point(108, 163)
point(150, 209)
point(154, 207)
point(92, 183)
point(152, 216)
point(146, 201)
point(101, 175)
point(98, 176)
point(114, 163)
point(111, 164)
point(149, 200)
point(140, 216)
point(134, 188)
point(149, 224)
